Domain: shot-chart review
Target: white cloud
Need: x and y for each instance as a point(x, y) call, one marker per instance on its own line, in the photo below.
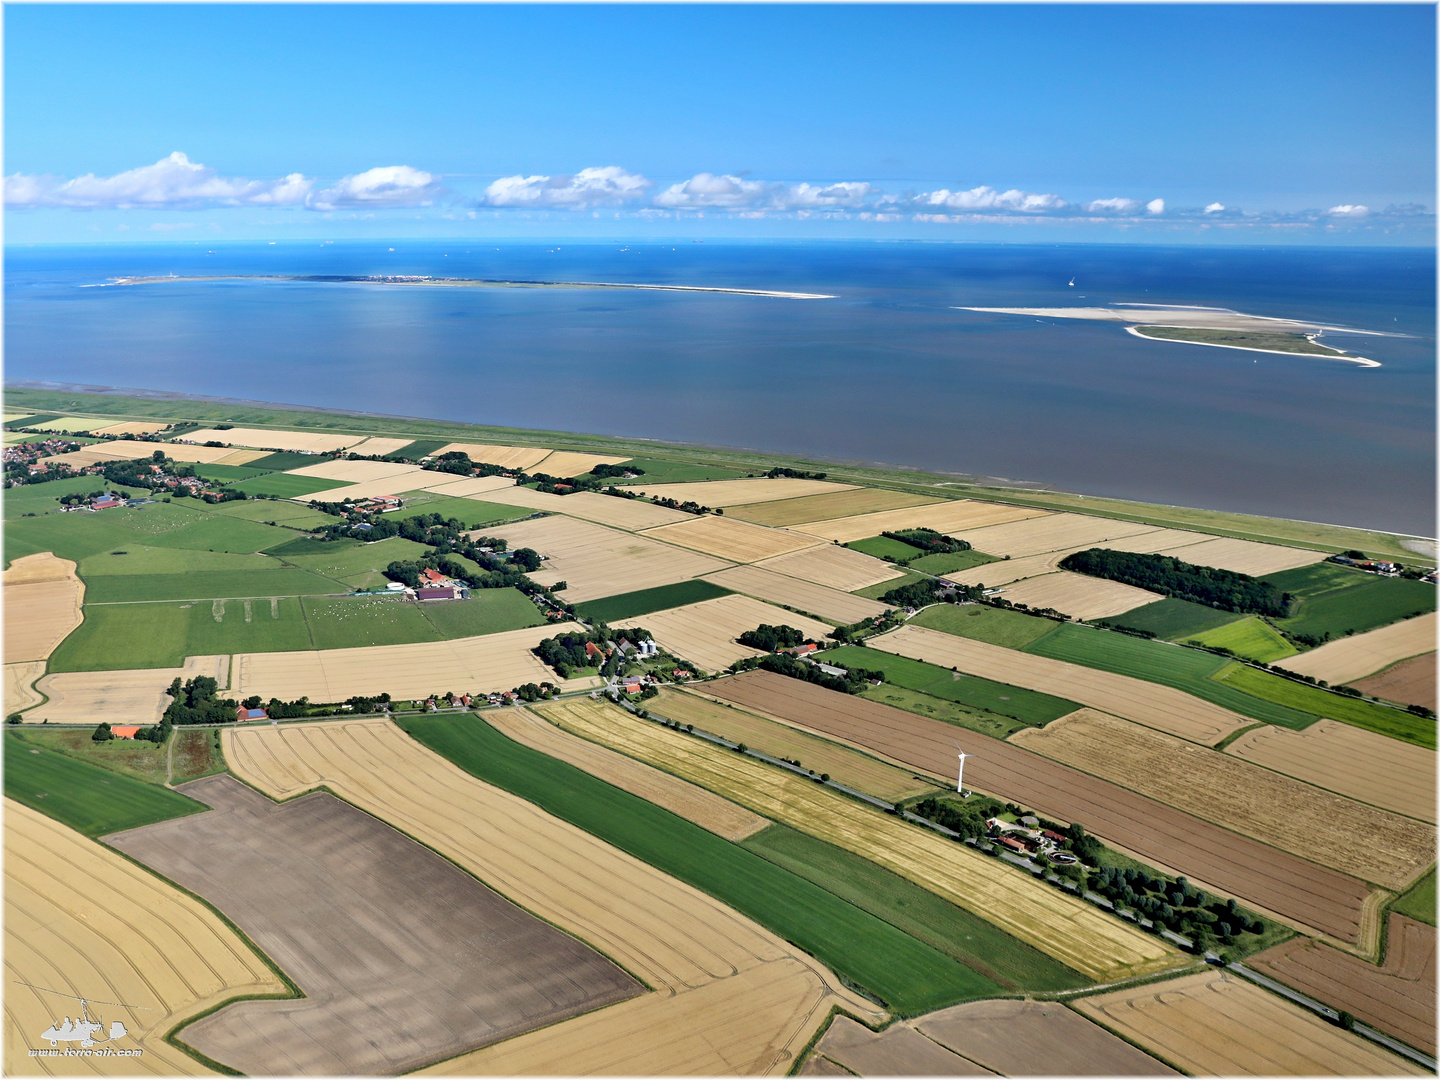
point(1215, 208)
point(1113, 206)
point(708, 191)
point(386, 186)
point(1348, 210)
point(172, 182)
point(848, 194)
point(1155, 206)
point(589, 187)
point(987, 198)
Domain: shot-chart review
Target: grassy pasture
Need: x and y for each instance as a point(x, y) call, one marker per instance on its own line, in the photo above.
point(643, 601)
point(196, 753)
point(88, 799)
point(952, 712)
point(279, 511)
point(43, 498)
point(341, 561)
point(285, 486)
point(996, 626)
point(488, 611)
point(918, 912)
point(1267, 688)
point(306, 545)
point(266, 580)
point(421, 448)
point(225, 534)
point(677, 472)
point(342, 623)
point(130, 757)
point(882, 546)
point(1418, 901)
point(1174, 619)
point(874, 592)
point(472, 513)
point(1252, 638)
point(282, 460)
point(76, 536)
point(1029, 707)
point(1364, 605)
point(146, 559)
point(952, 563)
point(910, 976)
point(227, 474)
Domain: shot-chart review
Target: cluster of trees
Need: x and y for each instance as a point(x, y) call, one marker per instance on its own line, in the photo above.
point(361, 704)
point(195, 702)
point(770, 638)
point(459, 463)
point(795, 474)
point(1169, 576)
point(930, 541)
point(75, 498)
point(565, 653)
point(607, 471)
point(277, 709)
point(155, 733)
point(879, 624)
point(619, 492)
point(918, 594)
point(785, 664)
point(966, 818)
point(1175, 905)
point(689, 506)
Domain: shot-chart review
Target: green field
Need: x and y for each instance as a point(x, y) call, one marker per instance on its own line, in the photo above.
point(909, 975)
point(1359, 602)
point(284, 459)
point(131, 757)
point(874, 592)
point(952, 712)
point(1419, 901)
point(998, 626)
point(225, 534)
point(1030, 708)
point(227, 474)
point(1169, 665)
point(76, 536)
point(89, 799)
point(42, 498)
point(147, 559)
point(147, 588)
point(1362, 714)
point(611, 609)
point(952, 563)
point(488, 611)
point(883, 547)
point(1174, 619)
point(676, 472)
point(274, 510)
point(472, 513)
point(286, 486)
point(919, 913)
point(421, 448)
point(343, 562)
point(309, 545)
point(349, 622)
point(1252, 638)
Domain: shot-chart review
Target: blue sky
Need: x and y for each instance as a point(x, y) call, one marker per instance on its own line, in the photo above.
point(1167, 123)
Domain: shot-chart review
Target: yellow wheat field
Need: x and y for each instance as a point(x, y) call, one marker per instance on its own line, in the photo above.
point(447, 484)
point(705, 633)
point(596, 561)
point(1062, 926)
point(395, 484)
point(1217, 1024)
point(1147, 703)
point(996, 574)
point(629, 514)
point(1352, 837)
point(1351, 658)
point(1361, 764)
point(507, 457)
point(956, 517)
point(741, 492)
point(79, 919)
point(492, 662)
point(1079, 596)
point(826, 507)
point(1245, 556)
point(200, 455)
point(301, 442)
point(379, 446)
point(355, 472)
point(20, 692)
point(827, 603)
point(1055, 532)
point(132, 427)
point(70, 425)
point(833, 566)
point(730, 996)
point(737, 541)
point(237, 457)
point(1167, 540)
point(42, 605)
point(565, 463)
point(127, 696)
point(847, 766)
point(704, 808)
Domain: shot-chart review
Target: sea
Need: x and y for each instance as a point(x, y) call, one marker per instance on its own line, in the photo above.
point(886, 372)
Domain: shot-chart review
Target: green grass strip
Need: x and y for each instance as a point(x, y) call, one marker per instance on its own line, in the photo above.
point(1418, 901)
point(1362, 714)
point(908, 975)
point(612, 609)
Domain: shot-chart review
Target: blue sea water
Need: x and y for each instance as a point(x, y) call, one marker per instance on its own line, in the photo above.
point(887, 372)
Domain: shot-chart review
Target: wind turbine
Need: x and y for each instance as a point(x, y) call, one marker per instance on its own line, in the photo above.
point(960, 779)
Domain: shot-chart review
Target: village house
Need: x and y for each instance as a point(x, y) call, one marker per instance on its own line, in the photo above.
point(243, 714)
point(124, 731)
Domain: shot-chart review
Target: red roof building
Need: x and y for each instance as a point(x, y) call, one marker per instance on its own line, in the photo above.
point(243, 714)
point(124, 731)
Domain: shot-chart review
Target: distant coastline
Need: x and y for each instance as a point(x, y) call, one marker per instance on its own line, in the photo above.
point(473, 283)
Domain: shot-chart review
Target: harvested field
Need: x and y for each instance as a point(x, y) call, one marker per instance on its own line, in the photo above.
point(130, 696)
point(1079, 596)
point(1345, 835)
point(1217, 1024)
point(631, 514)
point(731, 997)
point(70, 924)
point(705, 808)
point(1352, 658)
point(204, 455)
point(1372, 768)
point(447, 484)
point(236, 457)
point(566, 463)
point(42, 606)
point(827, 507)
point(70, 425)
point(465, 665)
point(1035, 1038)
point(377, 446)
point(1167, 540)
point(738, 492)
point(1410, 682)
point(596, 561)
point(403, 958)
point(776, 588)
point(1397, 998)
point(834, 567)
point(1245, 556)
point(1062, 926)
point(1003, 573)
point(82, 459)
point(395, 484)
point(131, 427)
point(1054, 532)
point(705, 633)
point(736, 541)
point(315, 442)
point(1151, 704)
point(1267, 878)
point(846, 766)
point(20, 690)
point(355, 472)
point(507, 457)
point(954, 517)
point(897, 1051)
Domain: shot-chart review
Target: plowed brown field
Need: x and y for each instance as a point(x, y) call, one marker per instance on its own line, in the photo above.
point(1398, 998)
point(1296, 890)
point(1410, 682)
point(897, 1051)
point(42, 605)
point(1345, 835)
point(834, 566)
point(1217, 1024)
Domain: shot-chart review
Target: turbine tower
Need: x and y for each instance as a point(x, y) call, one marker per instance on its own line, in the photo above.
point(960, 779)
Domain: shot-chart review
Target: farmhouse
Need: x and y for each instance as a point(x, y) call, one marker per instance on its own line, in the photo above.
point(124, 731)
point(243, 714)
point(442, 592)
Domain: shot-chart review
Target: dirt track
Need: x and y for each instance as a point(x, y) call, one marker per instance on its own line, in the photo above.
point(1298, 890)
point(1398, 998)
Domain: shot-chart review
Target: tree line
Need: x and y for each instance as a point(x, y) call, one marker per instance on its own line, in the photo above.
point(1169, 576)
